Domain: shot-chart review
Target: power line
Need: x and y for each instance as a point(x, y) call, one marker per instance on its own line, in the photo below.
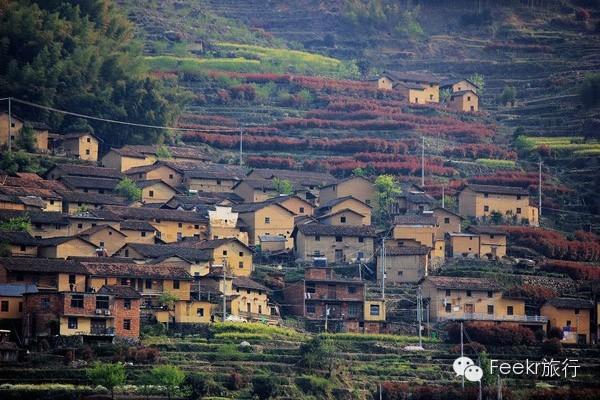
point(112, 121)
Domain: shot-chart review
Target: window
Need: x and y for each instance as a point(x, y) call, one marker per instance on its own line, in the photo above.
point(430, 97)
point(218, 181)
point(310, 288)
point(352, 289)
point(267, 220)
point(301, 209)
point(143, 234)
point(151, 193)
point(180, 225)
point(45, 303)
point(490, 294)
point(241, 264)
point(448, 307)
point(342, 220)
point(518, 210)
point(127, 304)
point(127, 324)
point(124, 281)
point(51, 202)
point(196, 226)
point(490, 310)
point(400, 273)
point(72, 322)
point(79, 226)
point(20, 306)
point(102, 302)
point(77, 301)
point(568, 323)
point(447, 220)
point(241, 254)
point(360, 255)
point(87, 152)
point(72, 279)
point(200, 312)
point(353, 310)
point(368, 202)
point(175, 284)
point(518, 197)
point(126, 252)
point(317, 238)
point(224, 252)
point(260, 309)
point(416, 100)
point(101, 244)
point(448, 292)
point(310, 309)
point(468, 98)
point(170, 176)
point(23, 248)
point(89, 140)
point(509, 310)
point(361, 239)
point(338, 238)
point(469, 293)
point(576, 311)
point(374, 309)
point(4, 306)
point(148, 283)
point(485, 195)
point(486, 208)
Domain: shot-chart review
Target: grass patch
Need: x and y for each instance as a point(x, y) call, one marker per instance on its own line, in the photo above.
point(252, 58)
point(365, 337)
point(232, 329)
point(492, 163)
point(560, 145)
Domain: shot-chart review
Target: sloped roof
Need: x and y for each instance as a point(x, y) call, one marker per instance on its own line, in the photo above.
point(217, 171)
point(350, 178)
point(334, 202)
point(88, 170)
point(305, 178)
point(415, 219)
point(133, 225)
point(252, 207)
point(463, 92)
point(264, 184)
point(487, 230)
point(152, 182)
point(406, 251)
point(247, 283)
point(569, 302)
point(81, 182)
point(451, 81)
point(160, 271)
point(329, 215)
point(18, 238)
point(49, 265)
point(167, 250)
point(55, 241)
point(510, 190)
point(37, 217)
point(120, 291)
point(93, 198)
point(16, 290)
point(29, 191)
point(146, 168)
point(145, 214)
point(337, 230)
point(212, 244)
point(459, 283)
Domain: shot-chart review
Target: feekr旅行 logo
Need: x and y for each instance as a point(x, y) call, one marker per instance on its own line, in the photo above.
point(464, 366)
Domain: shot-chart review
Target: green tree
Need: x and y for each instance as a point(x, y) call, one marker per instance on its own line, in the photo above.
point(358, 171)
point(263, 386)
point(163, 153)
point(319, 352)
point(168, 300)
point(128, 189)
point(589, 91)
point(16, 224)
point(26, 140)
point(478, 80)
point(283, 186)
point(484, 363)
point(387, 190)
point(168, 376)
point(445, 95)
point(108, 375)
point(508, 95)
point(82, 56)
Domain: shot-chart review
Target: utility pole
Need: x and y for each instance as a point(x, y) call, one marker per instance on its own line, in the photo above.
point(539, 190)
point(241, 145)
point(383, 269)
point(423, 162)
point(428, 326)
point(380, 392)
point(499, 386)
point(443, 196)
point(420, 314)
point(9, 125)
point(224, 294)
point(326, 316)
point(462, 352)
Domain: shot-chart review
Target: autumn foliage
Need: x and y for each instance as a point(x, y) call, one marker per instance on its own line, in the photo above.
point(490, 333)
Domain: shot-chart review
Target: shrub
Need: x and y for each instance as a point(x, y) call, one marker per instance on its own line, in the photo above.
point(200, 385)
point(263, 386)
point(470, 348)
point(168, 376)
point(551, 347)
point(555, 333)
point(69, 357)
point(589, 91)
point(236, 381)
point(128, 189)
point(108, 375)
point(87, 353)
point(315, 385)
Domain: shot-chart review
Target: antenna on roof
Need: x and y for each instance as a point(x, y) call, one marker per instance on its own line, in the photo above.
point(423, 162)
point(241, 145)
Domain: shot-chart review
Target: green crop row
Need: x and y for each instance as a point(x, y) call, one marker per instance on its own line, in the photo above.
point(488, 162)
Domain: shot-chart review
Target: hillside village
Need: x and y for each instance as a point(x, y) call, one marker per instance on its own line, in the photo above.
point(309, 200)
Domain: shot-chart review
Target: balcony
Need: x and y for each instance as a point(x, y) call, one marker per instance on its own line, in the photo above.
point(100, 331)
point(495, 317)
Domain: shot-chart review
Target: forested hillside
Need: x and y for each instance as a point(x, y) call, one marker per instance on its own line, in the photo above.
point(81, 56)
